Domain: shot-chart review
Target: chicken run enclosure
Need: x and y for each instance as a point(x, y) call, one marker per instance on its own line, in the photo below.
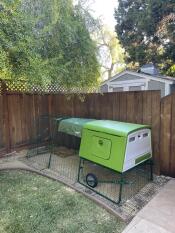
point(21, 113)
point(92, 169)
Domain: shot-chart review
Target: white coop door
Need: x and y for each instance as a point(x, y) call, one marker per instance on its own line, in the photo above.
point(138, 144)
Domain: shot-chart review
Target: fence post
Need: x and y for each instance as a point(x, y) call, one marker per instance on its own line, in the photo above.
point(6, 117)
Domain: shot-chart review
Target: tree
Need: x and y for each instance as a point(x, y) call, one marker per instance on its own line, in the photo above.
point(47, 42)
point(65, 43)
point(166, 32)
point(137, 25)
point(17, 58)
point(111, 54)
point(71, 39)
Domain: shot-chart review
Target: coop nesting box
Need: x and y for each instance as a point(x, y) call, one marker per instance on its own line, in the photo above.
point(116, 145)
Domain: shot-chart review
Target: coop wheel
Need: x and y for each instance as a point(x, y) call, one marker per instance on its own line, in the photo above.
point(91, 180)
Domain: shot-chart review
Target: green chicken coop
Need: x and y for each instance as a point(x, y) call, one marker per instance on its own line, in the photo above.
point(108, 152)
point(115, 145)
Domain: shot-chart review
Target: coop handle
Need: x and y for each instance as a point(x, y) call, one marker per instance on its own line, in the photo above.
point(100, 142)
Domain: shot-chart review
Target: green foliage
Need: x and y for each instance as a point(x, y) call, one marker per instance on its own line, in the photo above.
point(18, 60)
point(138, 24)
point(171, 71)
point(77, 53)
point(46, 42)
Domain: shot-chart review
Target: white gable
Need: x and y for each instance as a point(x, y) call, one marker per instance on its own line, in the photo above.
point(133, 76)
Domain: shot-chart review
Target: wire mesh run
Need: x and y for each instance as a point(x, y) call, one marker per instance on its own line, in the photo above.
point(65, 163)
point(112, 185)
point(46, 154)
point(45, 127)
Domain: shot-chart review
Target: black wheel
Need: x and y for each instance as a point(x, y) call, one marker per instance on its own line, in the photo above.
point(91, 180)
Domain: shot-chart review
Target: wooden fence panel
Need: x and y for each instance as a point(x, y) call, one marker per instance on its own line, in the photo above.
point(20, 111)
point(3, 126)
point(116, 106)
point(147, 108)
point(156, 111)
point(167, 136)
point(123, 106)
point(134, 107)
point(130, 110)
point(171, 171)
point(23, 112)
point(14, 106)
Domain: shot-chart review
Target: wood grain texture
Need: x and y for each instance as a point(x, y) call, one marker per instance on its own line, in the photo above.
point(171, 171)
point(165, 136)
point(19, 113)
point(134, 107)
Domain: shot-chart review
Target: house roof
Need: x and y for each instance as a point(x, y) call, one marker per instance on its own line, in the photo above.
point(160, 78)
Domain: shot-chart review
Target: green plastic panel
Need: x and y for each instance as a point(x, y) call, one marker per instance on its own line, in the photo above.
point(101, 147)
point(113, 153)
point(143, 158)
point(114, 127)
point(73, 126)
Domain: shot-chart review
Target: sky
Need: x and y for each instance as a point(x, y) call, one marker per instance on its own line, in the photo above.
point(105, 9)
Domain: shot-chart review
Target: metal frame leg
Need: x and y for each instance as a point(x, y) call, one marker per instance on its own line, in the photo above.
point(79, 170)
point(50, 158)
point(53, 127)
point(121, 182)
point(151, 170)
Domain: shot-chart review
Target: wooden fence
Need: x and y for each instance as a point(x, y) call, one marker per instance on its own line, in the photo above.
point(167, 136)
point(20, 111)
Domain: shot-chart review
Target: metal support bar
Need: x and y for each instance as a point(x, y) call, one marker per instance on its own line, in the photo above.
point(121, 187)
point(151, 169)
point(79, 170)
point(52, 136)
point(50, 158)
point(113, 182)
point(151, 164)
point(122, 181)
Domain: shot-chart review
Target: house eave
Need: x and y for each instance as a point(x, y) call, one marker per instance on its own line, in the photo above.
point(148, 77)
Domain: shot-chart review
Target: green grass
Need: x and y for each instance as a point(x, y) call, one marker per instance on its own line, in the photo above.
point(31, 203)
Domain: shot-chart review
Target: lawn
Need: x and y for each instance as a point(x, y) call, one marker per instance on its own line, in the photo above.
point(31, 203)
